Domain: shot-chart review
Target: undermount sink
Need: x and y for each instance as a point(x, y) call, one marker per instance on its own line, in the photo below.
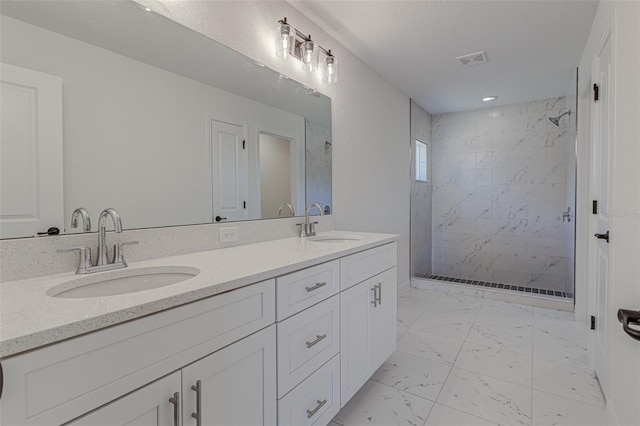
point(334, 238)
point(123, 281)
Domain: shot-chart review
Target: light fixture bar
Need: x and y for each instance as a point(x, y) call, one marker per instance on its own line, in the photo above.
point(292, 42)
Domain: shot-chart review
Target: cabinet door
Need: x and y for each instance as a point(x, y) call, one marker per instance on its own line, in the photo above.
point(383, 319)
point(147, 406)
point(237, 384)
point(355, 358)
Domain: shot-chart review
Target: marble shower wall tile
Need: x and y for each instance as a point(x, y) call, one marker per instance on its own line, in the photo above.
point(500, 187)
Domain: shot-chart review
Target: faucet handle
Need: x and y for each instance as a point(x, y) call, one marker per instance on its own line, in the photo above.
point(117, 251)
point(84, 262)
point(312, 229)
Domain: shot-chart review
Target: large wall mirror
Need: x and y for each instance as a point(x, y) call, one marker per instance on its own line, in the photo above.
point(108, 105)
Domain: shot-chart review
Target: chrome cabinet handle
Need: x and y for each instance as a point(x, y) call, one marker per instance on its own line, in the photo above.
point(374, 302)
point(315, 342)
point(198, 414)
point(315, 287)
point(310, 413)
point(379, 287)
point(175, 400)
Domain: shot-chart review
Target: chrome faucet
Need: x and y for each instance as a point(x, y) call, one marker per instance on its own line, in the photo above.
point(286, 205)
point(85, 264)
point(86, 220)
point(103, 258)
point(307, 229)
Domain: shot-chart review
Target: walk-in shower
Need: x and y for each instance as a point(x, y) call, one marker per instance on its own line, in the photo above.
point(499, 182)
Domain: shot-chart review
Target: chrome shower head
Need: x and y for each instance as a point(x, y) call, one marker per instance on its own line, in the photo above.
point(556, 120)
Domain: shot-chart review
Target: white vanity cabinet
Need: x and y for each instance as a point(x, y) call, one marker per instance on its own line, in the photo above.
point(368, 312)
point(290, 350)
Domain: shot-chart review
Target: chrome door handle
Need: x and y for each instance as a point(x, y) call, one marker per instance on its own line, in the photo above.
point(374, 302)
point(198, 414)
point(604, 236)
point(315, 287)
point(175, 400)
point(379, 287)
point(315, 342)
point(310, 413)
point(626, 317)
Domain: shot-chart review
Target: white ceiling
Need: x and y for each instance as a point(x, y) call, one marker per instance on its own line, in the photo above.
point(533, 46)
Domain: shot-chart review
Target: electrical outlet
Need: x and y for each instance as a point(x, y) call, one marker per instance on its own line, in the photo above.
point(228, 235)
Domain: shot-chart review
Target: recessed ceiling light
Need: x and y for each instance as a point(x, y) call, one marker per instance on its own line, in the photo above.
point(489, 98)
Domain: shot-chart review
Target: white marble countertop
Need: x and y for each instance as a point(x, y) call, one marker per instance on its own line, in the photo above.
point(29, 318)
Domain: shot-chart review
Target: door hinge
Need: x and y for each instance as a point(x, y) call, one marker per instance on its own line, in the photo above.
point(596, 93)
point(244, 204)
point(593, 322)
point(244, 143)
point(594, 207)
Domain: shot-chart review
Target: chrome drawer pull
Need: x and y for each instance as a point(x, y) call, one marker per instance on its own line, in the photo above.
point(374, 302)
point(175, 400)
point(198, 414)
point(310, 413)
point(315, 342)
point(315, 287)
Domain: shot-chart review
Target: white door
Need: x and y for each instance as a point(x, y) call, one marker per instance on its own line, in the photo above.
point(228, 172)
point(383, 330)
point(30, 152)
point(236, 385)
point(157, 404)
point(601, 186)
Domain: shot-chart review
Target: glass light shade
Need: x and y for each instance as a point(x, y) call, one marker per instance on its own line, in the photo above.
point(309, 56)
point(330, 69)
point(285, 40)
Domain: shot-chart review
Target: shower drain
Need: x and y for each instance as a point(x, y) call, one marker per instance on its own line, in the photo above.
point(502, 286)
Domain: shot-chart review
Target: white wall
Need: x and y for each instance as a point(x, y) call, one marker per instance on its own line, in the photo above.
point(135, 132)
point(500, 183)
point(275, 174)
point(370, 118)
point(421, 196)
point(624, 292)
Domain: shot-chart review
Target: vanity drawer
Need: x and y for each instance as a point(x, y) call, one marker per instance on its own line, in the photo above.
point(361, 266)
point(306, 341)
point(301, 289)
point(305, 405)
point(60, 382)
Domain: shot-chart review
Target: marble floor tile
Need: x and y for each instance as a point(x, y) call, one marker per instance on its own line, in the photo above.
point(560, 346)
point(377, 404)
point(412, 374)
point(400, 330)
point(552, 410)
point(430, 346)
point(486, 397)
point(552, 314)
point(516, 337)
point(441, 415)
point(493, 308)
point(568, 380)
point(407, 315)
point(454, 325)
point(495, 362)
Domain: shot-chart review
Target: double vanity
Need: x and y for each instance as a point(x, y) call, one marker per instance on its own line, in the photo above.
point(280, 332)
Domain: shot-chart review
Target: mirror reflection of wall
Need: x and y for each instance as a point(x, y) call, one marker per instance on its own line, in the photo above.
point(318, 165)
point(275, 175)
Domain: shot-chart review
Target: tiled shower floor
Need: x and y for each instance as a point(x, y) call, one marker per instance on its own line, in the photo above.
point(470, 361)
point(502, 286)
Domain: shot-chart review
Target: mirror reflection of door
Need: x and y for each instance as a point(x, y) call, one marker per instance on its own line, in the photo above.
point(276, 155)
point(229, 172)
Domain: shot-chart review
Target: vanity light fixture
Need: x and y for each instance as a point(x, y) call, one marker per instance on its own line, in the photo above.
point(489, 98)
point(291, 42)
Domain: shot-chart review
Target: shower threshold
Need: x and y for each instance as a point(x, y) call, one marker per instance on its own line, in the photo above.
point(502, 286)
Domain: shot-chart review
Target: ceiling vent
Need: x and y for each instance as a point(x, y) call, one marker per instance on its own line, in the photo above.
point(473, 59)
